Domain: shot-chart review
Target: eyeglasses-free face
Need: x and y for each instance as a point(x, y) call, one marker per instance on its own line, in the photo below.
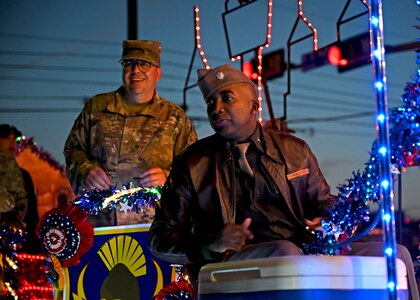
point(143, 66)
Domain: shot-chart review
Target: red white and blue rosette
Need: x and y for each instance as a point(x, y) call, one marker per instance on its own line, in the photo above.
point(65, 234)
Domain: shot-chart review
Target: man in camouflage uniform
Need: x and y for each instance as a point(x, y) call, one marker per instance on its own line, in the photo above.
point(13, 201)
point(13, 197)
point(18, 190)
point(128, 135)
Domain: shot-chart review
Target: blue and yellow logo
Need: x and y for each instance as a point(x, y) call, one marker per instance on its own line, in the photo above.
point(118, 266)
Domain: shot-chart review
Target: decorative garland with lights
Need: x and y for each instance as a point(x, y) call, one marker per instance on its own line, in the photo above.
point(267, 43)
point(198, 38)
point(128, 197)
point(352, 208)
point(11, 239)
point(21, 275)
point(31, 144)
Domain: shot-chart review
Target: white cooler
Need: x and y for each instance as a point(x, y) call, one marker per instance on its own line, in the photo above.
point(301, 278)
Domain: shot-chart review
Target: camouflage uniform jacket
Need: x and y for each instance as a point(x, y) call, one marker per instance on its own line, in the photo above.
point(13, 198)
point(125, 139)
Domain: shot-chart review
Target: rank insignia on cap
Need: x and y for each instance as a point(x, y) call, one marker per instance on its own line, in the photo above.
point(210, 80)
point(220, 75)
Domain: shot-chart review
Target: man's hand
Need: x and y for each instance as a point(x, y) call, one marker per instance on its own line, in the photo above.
point(233, 237)
point(313, 224)
point(152, 177)
point(97, 178)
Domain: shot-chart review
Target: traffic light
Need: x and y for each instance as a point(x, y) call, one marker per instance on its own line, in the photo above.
point(315, 59)
point(354, 52)
point(273, 66)
point(249, 70)
point(346, 55)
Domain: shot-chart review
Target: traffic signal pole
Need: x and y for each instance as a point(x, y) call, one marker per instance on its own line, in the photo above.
point(132, 19)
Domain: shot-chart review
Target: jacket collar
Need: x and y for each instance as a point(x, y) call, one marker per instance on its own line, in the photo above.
point(118, 106)
point(261, 139)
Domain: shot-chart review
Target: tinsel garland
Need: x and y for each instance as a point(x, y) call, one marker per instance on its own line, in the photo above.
point(405, 134)
point(11, 239)
point(352, 208)
point(29, 143)
point(93, 202)
point(21, 274)
point(33, 282)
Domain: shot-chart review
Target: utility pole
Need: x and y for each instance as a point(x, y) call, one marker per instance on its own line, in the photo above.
point(132, 19)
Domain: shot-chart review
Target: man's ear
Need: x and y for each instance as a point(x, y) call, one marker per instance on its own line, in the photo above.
point(254, 106)
point(159, 73)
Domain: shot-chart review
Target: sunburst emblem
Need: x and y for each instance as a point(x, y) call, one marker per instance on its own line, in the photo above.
point(125, 260)
point(125, 250)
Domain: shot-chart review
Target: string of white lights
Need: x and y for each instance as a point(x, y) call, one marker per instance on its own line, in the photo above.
point(309, 24)
point(198, 38)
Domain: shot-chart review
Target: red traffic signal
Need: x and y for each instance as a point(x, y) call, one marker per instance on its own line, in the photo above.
point(273, 66)
point(248, 70)
point(356, 51)
point(335, 57)
point(346, 55)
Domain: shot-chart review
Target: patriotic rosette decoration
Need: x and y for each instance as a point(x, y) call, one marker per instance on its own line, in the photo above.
point(60, 236)
point(66, 234)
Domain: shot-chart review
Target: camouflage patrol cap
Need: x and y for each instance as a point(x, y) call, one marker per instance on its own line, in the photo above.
point(142, 49)
point(210, 80)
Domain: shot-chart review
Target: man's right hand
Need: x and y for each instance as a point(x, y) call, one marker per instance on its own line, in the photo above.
point(233, 237)
point(97, 178)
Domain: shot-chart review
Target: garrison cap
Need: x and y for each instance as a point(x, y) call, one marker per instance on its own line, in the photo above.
point(210, 80)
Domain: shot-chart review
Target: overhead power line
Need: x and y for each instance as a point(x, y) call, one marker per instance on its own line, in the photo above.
point(40, 110)
point(332, 118)
point(340, 133)
point(92, 42)
point(58, 54)
point(58, 39)
point(40, 97)
point(62, 81)
point(165, 63)
point(58, 68)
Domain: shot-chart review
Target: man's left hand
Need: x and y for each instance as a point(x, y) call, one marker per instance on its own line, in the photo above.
point(152, 177)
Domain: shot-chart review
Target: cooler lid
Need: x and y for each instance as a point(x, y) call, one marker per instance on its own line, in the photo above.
point(305, 265)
